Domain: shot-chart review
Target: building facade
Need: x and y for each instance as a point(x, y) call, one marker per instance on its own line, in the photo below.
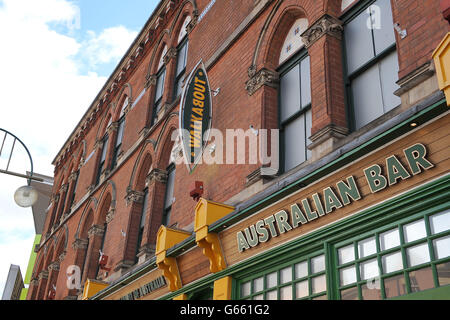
point(355, 205)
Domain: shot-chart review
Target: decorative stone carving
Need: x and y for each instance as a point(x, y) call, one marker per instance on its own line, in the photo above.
point(110, 215)
point(34, 282)
point(156, 175)
point(171, 54)
point(61, 257)
point(96, 230)
point(80, 244)
point(112, 128)
point(263, 77)
point(124, 265)
point(90, 188)
point(134, 196)
point(326, 25)
point(64, 188)
point(150, 80)
point(43, 275)
point(53, 266)
point(191, 25)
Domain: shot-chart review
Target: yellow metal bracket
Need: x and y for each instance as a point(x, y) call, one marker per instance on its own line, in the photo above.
point(441, 58)
point(91, 287)
point(165, 239)
point(206, 213)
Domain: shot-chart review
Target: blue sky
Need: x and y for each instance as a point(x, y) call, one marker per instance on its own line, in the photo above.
point(55, 56)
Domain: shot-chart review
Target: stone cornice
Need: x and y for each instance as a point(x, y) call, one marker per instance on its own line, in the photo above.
point(263, 77)
point(326, 25)
point(80, 244)
point(134, 196)
point(96, 230)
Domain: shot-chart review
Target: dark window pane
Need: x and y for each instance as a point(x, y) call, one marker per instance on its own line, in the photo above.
point(421, 279)
point(290, 93)
point(395, 286)
point(305, 82)
point(294, 143)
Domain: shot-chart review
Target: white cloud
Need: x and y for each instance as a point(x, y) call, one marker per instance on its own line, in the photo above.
point(43, 95)
point(110, 45)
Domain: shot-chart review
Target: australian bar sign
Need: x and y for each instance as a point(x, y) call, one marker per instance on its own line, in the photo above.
point(195, 114)
point(325, 202)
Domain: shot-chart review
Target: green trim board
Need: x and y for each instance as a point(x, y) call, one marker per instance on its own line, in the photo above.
point(430, 198)
point(388, 131)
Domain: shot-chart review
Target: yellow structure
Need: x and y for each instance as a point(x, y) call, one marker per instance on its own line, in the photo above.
point(92, 287)
point(165, 239)
point(222, 289)
point(181, 297)
point(206, 213)
point(441, 58)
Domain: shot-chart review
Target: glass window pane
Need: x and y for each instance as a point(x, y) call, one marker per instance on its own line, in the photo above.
point(418, 254)
point(442, 247)
point(395, 286)
point(290, 93)
point(272, 295)
point(389, 77)
point(367, 247)
point(440, 222)
point(392, 262)
point(367, 97)
point(286, 293)
point(369, 269)
point(390, 239)
point(414, 231)
point(169, 188)
point(319, 284)
point(302, 289)
point(286, 275)
point(308, 132)
point(301, 270)
point(318, 264)
point(443, 271)
point(383, 27)
point(160, 85)
point(258, 285)
point(346, 254)
point(358, 42)
point(348, 275)
point(259, 297)
point(294, 143)
point(245, 289)
point(271, 280)
point(421, 280)
point(349, 294)
point(371, 292)
point(181, 59)
point(305, 82)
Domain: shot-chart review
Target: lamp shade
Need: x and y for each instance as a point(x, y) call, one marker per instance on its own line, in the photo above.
point(25, 196)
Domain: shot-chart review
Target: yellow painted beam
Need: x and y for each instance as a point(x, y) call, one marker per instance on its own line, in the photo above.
point(441, 58)
point(181, 297)
point(206, 213)
point(92, 287)
point(222, 289)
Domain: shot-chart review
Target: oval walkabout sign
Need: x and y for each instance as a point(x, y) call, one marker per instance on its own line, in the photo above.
point(195, 114)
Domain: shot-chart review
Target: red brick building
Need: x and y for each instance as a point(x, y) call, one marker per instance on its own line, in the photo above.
point(352, 87)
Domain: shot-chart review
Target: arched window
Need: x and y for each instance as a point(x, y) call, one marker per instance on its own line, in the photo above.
point(160, 78)
point(168, 200)
point(141, 224)
point(101, 165)
point(295, 97)
point(372, 63)
point(119, 137)
point(182, 52)
point(74, 190)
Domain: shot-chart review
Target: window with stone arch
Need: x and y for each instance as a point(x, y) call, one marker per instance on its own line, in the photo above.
point(294, 97)
point(182, 53)
point(159, 91)
point(120, 129)
point(103, 153)
point(371, 60)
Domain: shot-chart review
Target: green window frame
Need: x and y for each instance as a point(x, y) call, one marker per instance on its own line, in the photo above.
point(303, 279)
point(418, 257)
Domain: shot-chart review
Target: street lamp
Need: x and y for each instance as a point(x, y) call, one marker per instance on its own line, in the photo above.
point(25, 196)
